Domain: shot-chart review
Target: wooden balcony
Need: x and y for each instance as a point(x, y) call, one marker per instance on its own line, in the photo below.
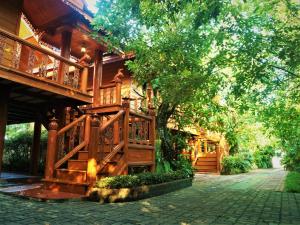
point(40, 71)
point(38, 79)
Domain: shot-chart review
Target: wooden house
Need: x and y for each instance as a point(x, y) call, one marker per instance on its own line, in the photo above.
point(64, 78)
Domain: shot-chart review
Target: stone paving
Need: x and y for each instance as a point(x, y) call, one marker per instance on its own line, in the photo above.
point(252, 198)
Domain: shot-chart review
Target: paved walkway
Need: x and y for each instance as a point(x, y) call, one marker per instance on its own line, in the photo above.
point(253, 198)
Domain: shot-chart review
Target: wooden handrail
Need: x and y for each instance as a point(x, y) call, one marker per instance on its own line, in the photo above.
point(112, 120)
point(47, 52)
point(140, 115)
point(115, 150)
point(69, 126)
point(108, 86)
point(70, 154)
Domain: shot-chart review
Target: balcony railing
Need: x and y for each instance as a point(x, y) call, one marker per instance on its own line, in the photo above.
point(32, 60)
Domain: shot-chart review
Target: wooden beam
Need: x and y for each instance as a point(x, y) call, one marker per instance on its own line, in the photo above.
point(66, 38)
point(35, 150)
point(4, 97)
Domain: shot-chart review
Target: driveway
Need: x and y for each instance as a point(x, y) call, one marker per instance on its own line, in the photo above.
point(252, 198)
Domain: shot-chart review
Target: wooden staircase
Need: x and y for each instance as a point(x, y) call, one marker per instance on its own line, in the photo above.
point(71, 171)
point(207, 163)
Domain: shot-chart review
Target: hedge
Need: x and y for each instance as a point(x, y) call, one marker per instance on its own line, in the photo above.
point(129, 181)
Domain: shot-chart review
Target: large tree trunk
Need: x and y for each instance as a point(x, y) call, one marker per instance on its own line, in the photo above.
point(165, 111)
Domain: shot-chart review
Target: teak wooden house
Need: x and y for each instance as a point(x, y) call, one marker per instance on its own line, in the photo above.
point(65, 79)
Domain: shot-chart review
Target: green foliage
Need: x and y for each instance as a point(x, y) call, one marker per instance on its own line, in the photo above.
point(162, 166)
point(263, 157)
point(129, 181)
point(18, 147)
point(291, 159)
point(184, 165)
point(292, 182)
point(235, 164)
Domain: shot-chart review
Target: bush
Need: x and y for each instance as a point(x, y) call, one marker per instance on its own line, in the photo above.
point(129, 181)
point(239, 163)
point(292, 182)
point(184, 165)
point(162, 166)
point(263, 157)
point(291, 160)
point(17, 151)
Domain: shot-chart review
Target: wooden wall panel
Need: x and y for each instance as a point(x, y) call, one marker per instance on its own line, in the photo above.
point(140, 155)
point(10, 15)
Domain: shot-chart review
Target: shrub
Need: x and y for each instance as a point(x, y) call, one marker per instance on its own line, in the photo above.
point(184, 165)
point(239, 163)
point(263, 157)
point(17, 151)
point(292, 182)
point(291, 160)
point(129, 181)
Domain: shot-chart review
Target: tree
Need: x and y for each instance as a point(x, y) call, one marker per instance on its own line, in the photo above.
point(192, 51)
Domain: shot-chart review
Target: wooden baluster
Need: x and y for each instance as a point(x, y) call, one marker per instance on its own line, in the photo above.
point(92, 150)
point(51, 148)
point(133, 130)
point(75, 79)
point(43, 66)
point(111, 95)
point(118, 92)
point(104, 96)
point(16, 55)
point(2, 47)
point(31, 61)
point(87, 131)
point(55, 69)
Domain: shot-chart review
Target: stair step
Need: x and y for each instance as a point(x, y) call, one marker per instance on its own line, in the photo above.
point(210, 167)
point(83, 155)
point(206, 163)
point(57, 185)
point(208, 159)
point(77, 164)
point(78, 176)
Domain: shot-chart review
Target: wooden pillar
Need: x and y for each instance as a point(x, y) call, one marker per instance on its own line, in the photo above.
point(92, 150)
point(218, 156)
point(97, 80)
point(126, 107)
point(51, 148)
point(84, 79)
point(4, 96)
point(66, 38)
point(152, 134)
point(35, 150)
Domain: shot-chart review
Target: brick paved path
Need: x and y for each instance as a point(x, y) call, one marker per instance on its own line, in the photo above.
point(253, 198)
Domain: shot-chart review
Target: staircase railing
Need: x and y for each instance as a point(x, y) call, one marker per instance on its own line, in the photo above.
point(76, 139)
point(111, 139)
point(65, 143)
point(140, 129)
